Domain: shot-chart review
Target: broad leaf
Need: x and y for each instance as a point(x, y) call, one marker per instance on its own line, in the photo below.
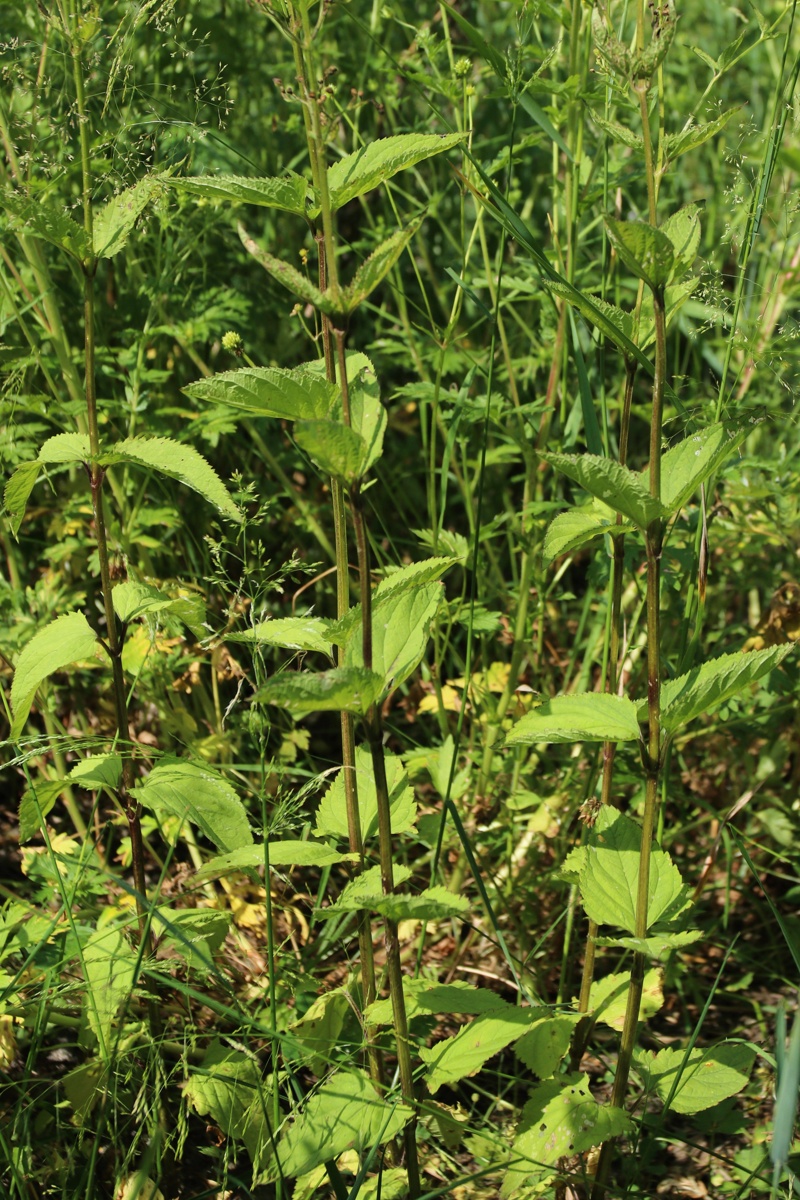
point(380, 160)
point(425, 996)
point(47, 220)
point(617, 325)
point(289, 192)
point(294, 395)
point(332, 813)
point(577, 527)
point(433, 904)
point(367, 414)
point(17, 493)
point(542, 1048)
point(342, 689)
point(696, 135)
point(655, 946)
point(67, 640)
point(281, 854)
point(132, 599)
point(587, 717)
point(401, 625)
point(35, 804)
point(464, 1054)
point(224, 1088)
point(705, 687)
point(645, 250)
point(609, 876)
point(694, 460)
point(334, 447)
point(178, 461)
point(296, 282)
point(615, 485)
point(99, 771)
point(699, 1079)
point(683, 230)
point(114, 222)
point(195, 792)
point(413, 575)
point(346, 1113)
point(196, 934)
point(313, 1039)
point(608, 998)
point(66, 448)
point(561, 1119)
point(293, 633)
point(110, 967)
point(365, 891)
point(376, 267)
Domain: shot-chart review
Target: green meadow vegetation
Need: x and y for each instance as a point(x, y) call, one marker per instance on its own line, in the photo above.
point(399, 599)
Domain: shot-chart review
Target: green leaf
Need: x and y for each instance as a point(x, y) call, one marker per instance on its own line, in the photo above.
point(281, 854)
point(655, 946)
point(683, 230)
point(615, 485)
point(413, 575)
point(296, 282)
point(609, 876)
point(42, 218)
point(365, 891)
point(113, 223)
point(195, 934)
point(559, 1120)
point(401, 625)
point(178, 461)
point(293, 633)
point(224, 1088)
point(132, 599)
point(425, 996)
point(577, 527)
point(342, 689)
point(695, 459)
point(587, 717)
point(195, 792)
point(696, 135)
point(67, 640)
point(334, 447)
point(289, 192)
point(381, 160)
point(542, 1048)
point(99, 771)
point(66, 448)
point(608, 45)
point(619, 133)
point(699, 1079)
point(705, 687)
point(537, 114)
point(464, 1054)
point(376, 267)
point(433, 904)
point(645, 250)
point(313, 1039)
point(346, 1113)
point(17, 493)
point(332, 813)
point(110, 967)
point(613, 322)
point(293, 395)
point(608, 997)
point(36, 802)
point(367, 414)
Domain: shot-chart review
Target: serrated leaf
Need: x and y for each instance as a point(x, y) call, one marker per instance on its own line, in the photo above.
point(683, 230)
point(558, 1121)
point(313, 1039)
point(132, 599)
point(614, 322)
point(293, 395)
point(99, 771)
point(110, 967)
point(44, 219)
point(195, 934)
point(288, 193)
point(195, 792)
point(332, 812)
point(114, 222)
point(67, 640)
point(542, 1048)
point(401, 625)
point(376, 267)
point(646, 251)
point(342, 689)
point(429, 570)
point(281, 854)
point(346, 1113)
point(655, 946)
point(17, 493)
point(705, 687)
point(464, 1054)
point(699, 1079)
point(426, 996)
point(696, 135)
point(685, 466)
point(296, 282)
point(367, 168)
point(433, 904)
point(293, 633)
point(608, 997)
point(224, 1088)
point(619, 488)
point(609, 877)
point(586, 717)
point(365, 891)
point(66, 448)
point(334, 447)
point(178, 461)
point(577, 527)
point(619, 133)
point(35, 804)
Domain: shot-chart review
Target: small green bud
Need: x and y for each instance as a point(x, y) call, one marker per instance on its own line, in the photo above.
point(233, 343)
point(463, 67)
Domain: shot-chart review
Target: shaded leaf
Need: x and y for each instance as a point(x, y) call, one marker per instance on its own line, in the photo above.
point(68, 639)
point(289, 192)
point(334, 447)
point(577, 527)
point(281, 854)
point(426, 996)
point(114, 222)
point(47, 220)
point(683, 230)
point(17, 493)
point(98, 771)
point(110, 966)
point(645, 250)
point(433, 904)
point(696, 135)
point(587, 717)
point(224, 1087)
point(464, 1054)
point(401, 625)
point(655, 946)
point(685, 466)
point(313, 1039)
point(296, 282)
point(36, 802)
point(376, 267)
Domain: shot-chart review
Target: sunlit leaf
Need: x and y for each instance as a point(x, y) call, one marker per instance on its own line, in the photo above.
point(332, 812)
point(67, 640)
point(586, 717)
point(294, 395)
point(342, 689)
point(196, 792)
point(178, 461)
point(619, 488)
point(380, 160)
point(287, 192)
point(700, 1078)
